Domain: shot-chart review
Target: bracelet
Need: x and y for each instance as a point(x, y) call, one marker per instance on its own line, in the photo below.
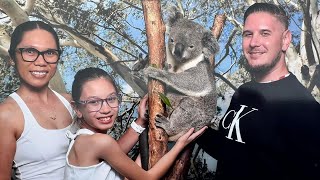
point(137, 128)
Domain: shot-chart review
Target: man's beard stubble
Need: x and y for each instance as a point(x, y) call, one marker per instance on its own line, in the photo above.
point(261, 69)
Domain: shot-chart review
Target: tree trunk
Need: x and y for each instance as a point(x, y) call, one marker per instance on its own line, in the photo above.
point(155, 30)
point(315, 79)
point(181, 166)
point(217, 28)
point(308, 34)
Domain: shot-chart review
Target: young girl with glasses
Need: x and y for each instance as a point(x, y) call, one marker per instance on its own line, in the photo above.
point(94, 155)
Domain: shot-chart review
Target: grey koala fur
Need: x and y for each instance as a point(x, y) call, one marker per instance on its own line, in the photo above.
point(189, 80)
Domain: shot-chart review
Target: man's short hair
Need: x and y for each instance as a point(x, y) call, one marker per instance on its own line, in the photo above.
point(273, 9)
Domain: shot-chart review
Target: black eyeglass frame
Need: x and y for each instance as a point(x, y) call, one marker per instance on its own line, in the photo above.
point(41, 53)
point(85, 102)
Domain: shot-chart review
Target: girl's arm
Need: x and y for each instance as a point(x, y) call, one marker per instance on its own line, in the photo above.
point(131, 137)
point(111, 152)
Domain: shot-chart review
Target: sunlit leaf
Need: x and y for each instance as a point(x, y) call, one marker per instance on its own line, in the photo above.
point(165, 99)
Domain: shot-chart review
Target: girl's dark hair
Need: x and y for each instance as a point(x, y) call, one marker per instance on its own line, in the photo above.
point(88, 74)
point(19, 31)
point(273, 9)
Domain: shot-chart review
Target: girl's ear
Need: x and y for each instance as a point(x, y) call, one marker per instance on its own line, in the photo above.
point(76, 109)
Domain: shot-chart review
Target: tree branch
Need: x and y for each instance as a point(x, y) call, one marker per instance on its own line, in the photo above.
point(234, 31)
point(4, 51)
point(14, 11)
point(132, 5)
point(105, 54)
point(315, 79)
point(28, 8)
point(69, 42)
point(235, 22)
point(100, 52)
point(308, 33)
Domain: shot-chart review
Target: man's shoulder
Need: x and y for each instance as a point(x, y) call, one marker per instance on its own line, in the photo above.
point(295, 87)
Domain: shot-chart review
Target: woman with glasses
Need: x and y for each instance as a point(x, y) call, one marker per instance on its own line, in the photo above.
point(34, 119)
point(94, 155)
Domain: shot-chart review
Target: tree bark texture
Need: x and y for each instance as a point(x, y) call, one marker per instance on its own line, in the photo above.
point(14, 11)
point(308, 35)
point(216, 30)
point(218, 25)
point(182, 164)
point(155, 30)
point(315, 79)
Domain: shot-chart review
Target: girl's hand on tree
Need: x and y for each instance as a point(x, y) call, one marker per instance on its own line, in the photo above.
point(142, 112)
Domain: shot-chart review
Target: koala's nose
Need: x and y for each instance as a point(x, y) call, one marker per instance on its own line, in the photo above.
point(178, 50)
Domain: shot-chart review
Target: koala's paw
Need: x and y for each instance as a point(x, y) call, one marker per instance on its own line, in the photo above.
point(162, 121)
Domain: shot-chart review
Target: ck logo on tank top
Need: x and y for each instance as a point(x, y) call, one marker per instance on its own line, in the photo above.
point(235, 123)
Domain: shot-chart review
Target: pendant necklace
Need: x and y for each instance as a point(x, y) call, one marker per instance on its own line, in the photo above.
point(54, 117)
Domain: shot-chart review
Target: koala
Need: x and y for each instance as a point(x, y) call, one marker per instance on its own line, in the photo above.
point(189, 80)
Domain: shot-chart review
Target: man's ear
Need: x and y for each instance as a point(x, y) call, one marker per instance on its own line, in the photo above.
point(76, 109)
point(286, 40)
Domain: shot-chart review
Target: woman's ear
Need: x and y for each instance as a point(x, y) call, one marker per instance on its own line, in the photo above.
point(12, 62)
point(76, 109)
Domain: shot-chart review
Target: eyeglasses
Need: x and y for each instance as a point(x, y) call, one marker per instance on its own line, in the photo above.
point(95, 104)
point(51, 56)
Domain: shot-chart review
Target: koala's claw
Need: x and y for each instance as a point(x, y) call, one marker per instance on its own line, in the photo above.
point(159, 115)
point(161, 120)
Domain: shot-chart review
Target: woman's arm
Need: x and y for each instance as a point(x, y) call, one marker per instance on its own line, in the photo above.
point(110, 151)
point(8, 137)
point(131, 137)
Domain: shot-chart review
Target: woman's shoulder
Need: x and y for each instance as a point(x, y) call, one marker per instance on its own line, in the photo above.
point(10, 114)
point(67, 96)
point(8, 107)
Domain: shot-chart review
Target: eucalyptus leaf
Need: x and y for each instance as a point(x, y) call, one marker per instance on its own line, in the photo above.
point(165, 99)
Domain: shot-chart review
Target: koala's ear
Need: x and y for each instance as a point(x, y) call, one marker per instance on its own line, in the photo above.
point(210, 44)
point(173, 15)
